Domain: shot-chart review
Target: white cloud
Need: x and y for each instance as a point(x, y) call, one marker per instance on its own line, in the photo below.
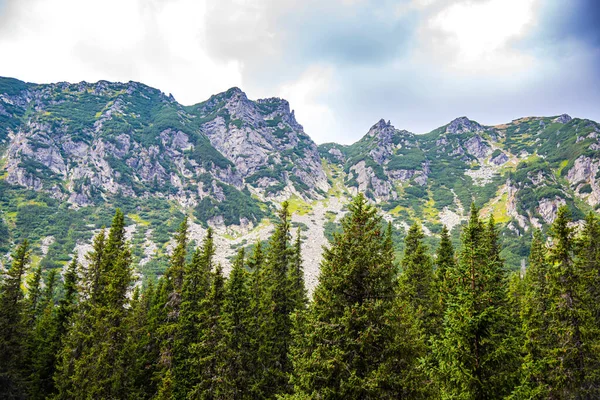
point(306, 97)
point(477, 36)
point(159, 43)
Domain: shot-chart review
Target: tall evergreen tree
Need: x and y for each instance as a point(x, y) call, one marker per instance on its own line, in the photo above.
point(255, 265)
point(196, 287)
point(93, 360)
point(535, 323)
point(275, 308)
point(209, 351)
point(34, 294)
point(140, 347)
point(444, 261)
point(416, 289)
point(12, 326)
point(570, 323)
point(345, 343)
point(172, 289)
point(472, 357)
point(44, 343)
point(297, 289)
point(588, 263)
point(236, 320)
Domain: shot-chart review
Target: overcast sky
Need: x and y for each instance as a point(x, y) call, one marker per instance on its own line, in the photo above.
point(342, 64)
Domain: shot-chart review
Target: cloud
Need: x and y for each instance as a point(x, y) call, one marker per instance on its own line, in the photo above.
point(342, 64)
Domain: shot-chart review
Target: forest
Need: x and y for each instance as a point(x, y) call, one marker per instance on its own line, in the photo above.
point(439, 323)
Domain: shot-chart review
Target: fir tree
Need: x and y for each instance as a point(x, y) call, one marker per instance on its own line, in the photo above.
point(275, 309)
point(196, 287)
point(236, 318)
point(416, 282)
point(12, 326)
point(588, 263)
point(297, 290)
point(535, 323)
point(93, 363)
point(208, 353)
point(570, 355)
point(345, 343)
point(255, 265)
point(444, 261)
point(140, 347)
point(45, 342)
point(172, 288)
point(473, 357)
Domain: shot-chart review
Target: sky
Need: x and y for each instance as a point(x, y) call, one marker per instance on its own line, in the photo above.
point(342, 64)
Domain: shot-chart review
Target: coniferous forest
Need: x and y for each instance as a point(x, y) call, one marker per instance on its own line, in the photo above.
point(438, 323)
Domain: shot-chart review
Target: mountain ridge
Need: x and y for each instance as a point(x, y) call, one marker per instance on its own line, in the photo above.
point(71, 149)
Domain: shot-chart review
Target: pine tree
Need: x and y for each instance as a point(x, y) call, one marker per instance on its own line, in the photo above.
point(236, 317)
point(416, 283)
point(346, 342)
point(535, 323)
point(255, 265)
point(473, 357)
point(297, 290)
point(209, 352)
point(196, 287)
point(34, 294)
point(275, 309)
point(93, 362)
point(444, 261)
point(67, 304)
point(588, 263)
point(140, 347)
point(13, 327)
point(570, 355)
point(44, 344)
point(172, 288)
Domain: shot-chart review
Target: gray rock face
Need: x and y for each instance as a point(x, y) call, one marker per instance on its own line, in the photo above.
point(562, 119)
point(462, 125)
point(477, 147)
point(499, 159)
point(115, 148)
point(265, 135)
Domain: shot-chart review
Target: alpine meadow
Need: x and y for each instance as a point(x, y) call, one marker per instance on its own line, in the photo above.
point(200, 199)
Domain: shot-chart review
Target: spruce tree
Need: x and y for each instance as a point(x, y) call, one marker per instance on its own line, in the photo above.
point(588, 263)
point(297, 289)
point(417, 287)
point(534, 317)
point(172, 289)
point(275, 309)
point(571, 355)
point(93, 362)
point(473, 357)
point(346, 342)
point(45, 342)
point(208, 353)
point(140, 350)
point(196, 287)
point(444, 261)
point(236, 321)
point(13, 328)
point(255, 265)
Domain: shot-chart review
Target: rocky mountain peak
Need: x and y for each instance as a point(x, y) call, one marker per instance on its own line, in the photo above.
point(462, 125)
point(562, 119)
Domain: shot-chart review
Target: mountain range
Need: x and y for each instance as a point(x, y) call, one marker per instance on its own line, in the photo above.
point(72, 152)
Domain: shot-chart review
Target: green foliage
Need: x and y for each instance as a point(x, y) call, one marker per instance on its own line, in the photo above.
point(13, 330)
point(475, 355)
point(345, 343)
point(239, 204)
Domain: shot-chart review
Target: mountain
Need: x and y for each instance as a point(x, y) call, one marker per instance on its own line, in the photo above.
point(73, 152)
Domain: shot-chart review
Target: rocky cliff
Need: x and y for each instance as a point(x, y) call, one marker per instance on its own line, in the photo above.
point(72, 152)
